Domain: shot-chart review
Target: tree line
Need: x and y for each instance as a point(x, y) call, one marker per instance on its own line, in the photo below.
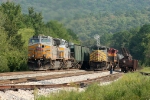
point(15, 30)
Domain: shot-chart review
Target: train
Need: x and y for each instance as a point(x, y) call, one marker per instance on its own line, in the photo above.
point(46, 53)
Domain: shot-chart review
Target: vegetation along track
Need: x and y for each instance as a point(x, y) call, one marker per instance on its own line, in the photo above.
point(110, 77)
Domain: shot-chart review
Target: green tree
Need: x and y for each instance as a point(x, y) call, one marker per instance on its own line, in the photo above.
point(13, 15)
point(4, 49)
point(12, 22)
point(36, 20)
point(140, 42)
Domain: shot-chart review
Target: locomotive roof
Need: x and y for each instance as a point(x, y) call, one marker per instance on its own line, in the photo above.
point(40, 36)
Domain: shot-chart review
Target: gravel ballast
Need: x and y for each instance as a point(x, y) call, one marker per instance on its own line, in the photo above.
point(29, 94)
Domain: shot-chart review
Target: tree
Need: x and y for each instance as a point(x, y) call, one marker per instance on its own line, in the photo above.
point(140, 42)
point(36, 20)
point(4, 49)
point(13, 15)
point(12, 22)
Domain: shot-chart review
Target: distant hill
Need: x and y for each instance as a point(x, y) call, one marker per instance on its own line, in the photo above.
point(89, 17)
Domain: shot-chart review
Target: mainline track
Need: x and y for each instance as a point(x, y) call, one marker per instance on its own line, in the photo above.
point(39, 78)
point(33, 72)
point(74, 84)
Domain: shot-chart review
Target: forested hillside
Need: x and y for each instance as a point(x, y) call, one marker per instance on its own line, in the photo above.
point(89, 17)
point(15, 30)
point(125, 29)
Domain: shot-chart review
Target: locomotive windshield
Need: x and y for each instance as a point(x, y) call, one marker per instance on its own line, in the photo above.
point(34, 41)
point(64, 43)
point(44, 40)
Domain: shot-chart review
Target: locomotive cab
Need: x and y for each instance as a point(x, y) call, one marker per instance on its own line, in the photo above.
point(38, 45)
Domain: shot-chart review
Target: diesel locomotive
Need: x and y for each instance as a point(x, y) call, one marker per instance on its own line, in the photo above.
point(103, 58)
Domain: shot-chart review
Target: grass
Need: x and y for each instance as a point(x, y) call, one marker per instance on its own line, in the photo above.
point(146, 69)
point(132, 86)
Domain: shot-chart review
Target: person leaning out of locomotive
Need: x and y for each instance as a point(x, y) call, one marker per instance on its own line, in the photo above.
point(111, 69)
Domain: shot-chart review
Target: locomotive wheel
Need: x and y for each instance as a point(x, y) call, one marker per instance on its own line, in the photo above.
point(122, 69)
point(92, 66)
point(104, 65)
point(39, 64)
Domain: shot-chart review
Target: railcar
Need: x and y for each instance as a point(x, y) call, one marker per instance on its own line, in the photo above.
point(79, 56)
point(127, 63)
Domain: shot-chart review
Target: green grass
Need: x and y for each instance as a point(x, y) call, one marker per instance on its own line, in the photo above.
point(132, 86)
point(145, 69)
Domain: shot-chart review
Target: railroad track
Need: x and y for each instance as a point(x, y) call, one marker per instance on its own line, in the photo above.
point(83, 83)
point(39, 78)
point(33, 72)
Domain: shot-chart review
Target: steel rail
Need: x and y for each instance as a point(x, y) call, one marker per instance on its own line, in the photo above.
point(83, 83)
point(39, 78)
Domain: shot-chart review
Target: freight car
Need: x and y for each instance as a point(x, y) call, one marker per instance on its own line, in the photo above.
point(103, 58)
point(79, 56)
point(45, 52)
point(127, 63)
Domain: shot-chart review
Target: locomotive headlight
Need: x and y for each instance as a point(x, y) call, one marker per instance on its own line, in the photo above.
point(44, 55)
point(124, 61)
point(39, 46)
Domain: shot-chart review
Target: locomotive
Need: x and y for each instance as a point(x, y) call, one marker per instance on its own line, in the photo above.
point(45, 52)
point(103, 58)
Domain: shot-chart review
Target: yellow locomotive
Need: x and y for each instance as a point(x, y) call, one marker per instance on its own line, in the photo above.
point(45, 52)
point(103, 58)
